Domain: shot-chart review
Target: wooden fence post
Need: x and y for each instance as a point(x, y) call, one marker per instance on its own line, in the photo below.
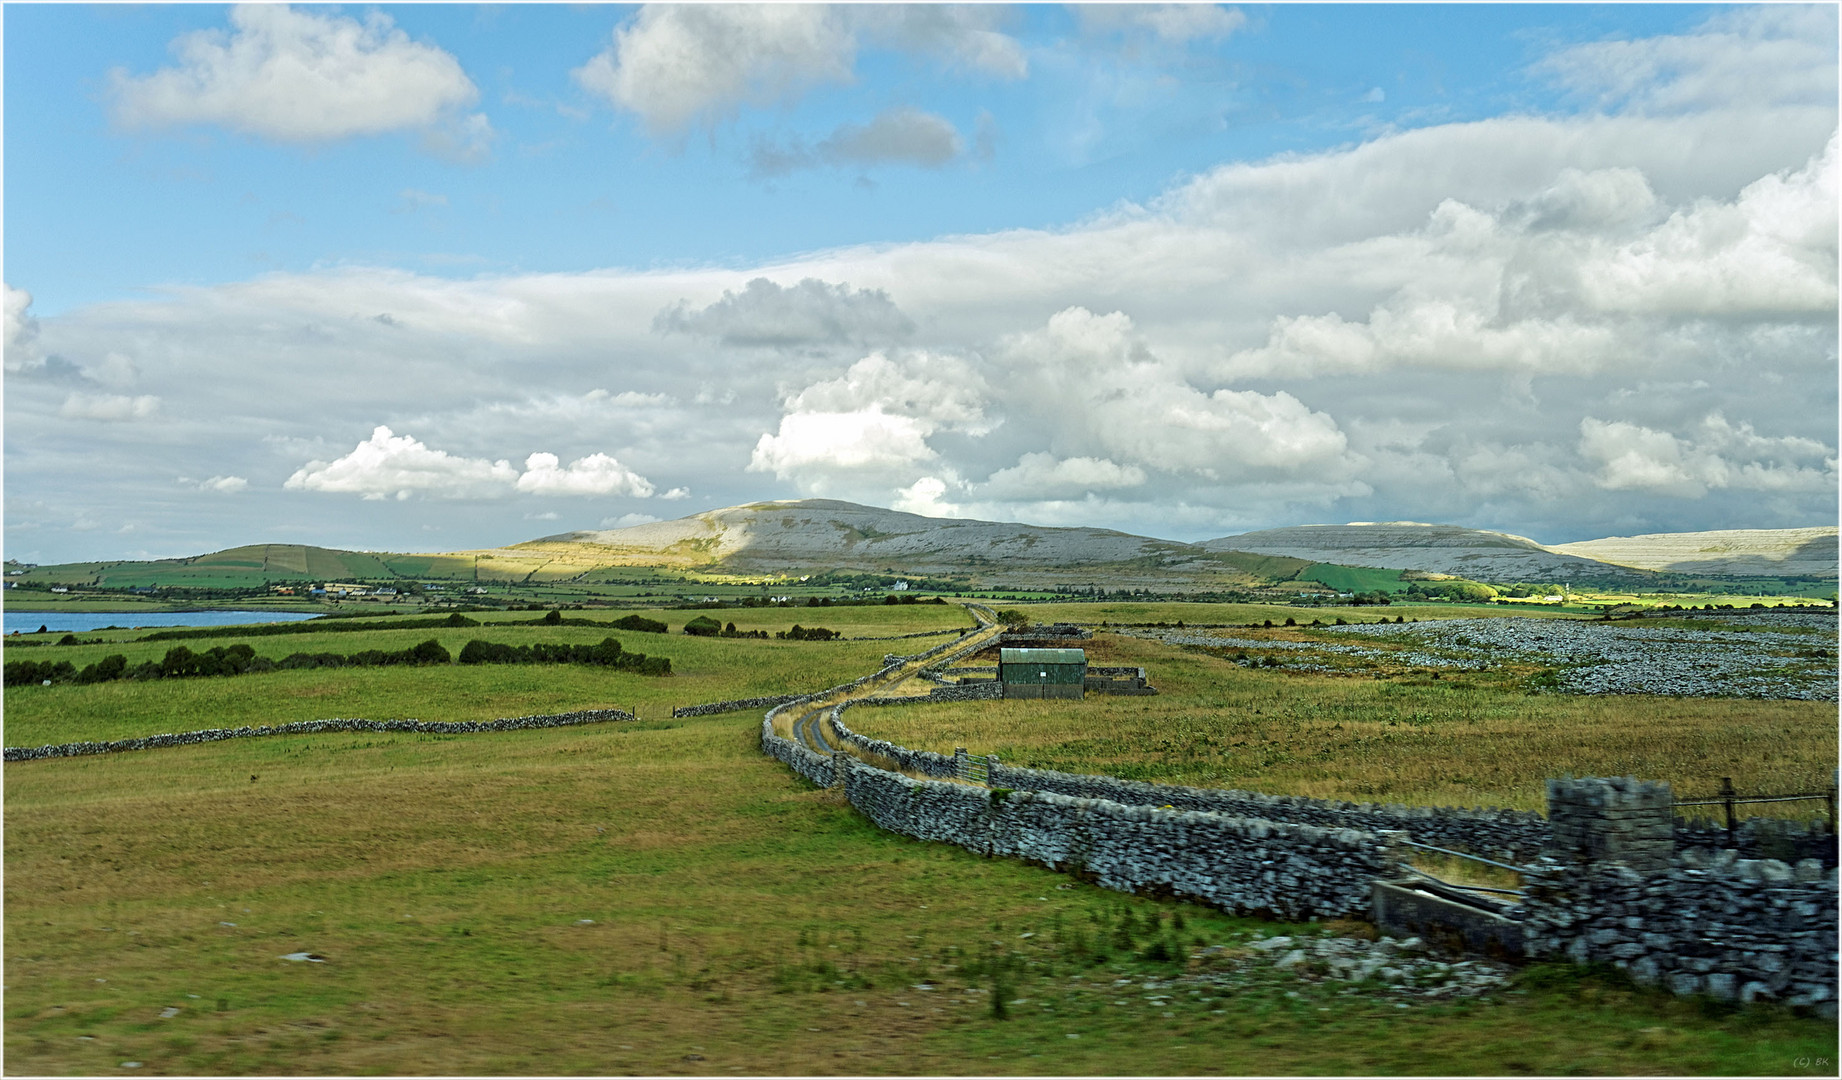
point(1726, 791)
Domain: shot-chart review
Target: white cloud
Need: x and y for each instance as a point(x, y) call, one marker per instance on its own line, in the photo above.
point(21, 336)
point(387, 464)
point(810, 443)
point(218, 485)
point(812, 312)
point(675, 65)
point(1771, 250)
point(1759, 54)
point(677, 493)
point(111, 407)
point(1631, 457)
point(1112, 392)
point(899, 136)
point(299, 76)
point(596, 474)
point(1242, 342)
point(965, 36)
point(1169, 22)
point(391, 465)
point(1044, 476)
point(627, 521)
point(875, 418)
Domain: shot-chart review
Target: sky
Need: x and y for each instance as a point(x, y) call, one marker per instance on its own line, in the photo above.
point(433, 278)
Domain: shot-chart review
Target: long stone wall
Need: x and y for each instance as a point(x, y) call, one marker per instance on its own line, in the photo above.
point(713, 707)
point(1238, 864)
point(317, 727)
point(1692, 921)
point(1504, 834)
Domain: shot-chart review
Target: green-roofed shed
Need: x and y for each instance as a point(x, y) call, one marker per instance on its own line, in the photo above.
point(1042, 673)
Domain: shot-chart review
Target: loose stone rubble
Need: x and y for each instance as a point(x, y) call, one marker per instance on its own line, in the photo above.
point(1402, 967)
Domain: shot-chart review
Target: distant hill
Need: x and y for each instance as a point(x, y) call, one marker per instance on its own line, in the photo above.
point(1478, 554)
point(806, 536)
point(1740, 552)
point(829, 534)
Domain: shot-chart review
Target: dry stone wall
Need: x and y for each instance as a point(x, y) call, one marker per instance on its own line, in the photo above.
point(316, 727)
point(1511, 834)
point(1735, 929)
point(1239, 864)
point(714, 707)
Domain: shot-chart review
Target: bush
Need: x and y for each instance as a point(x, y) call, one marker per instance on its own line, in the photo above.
point(807, 633)
point(703, 626)
point(28, 672)
point(641, 624)
point(607, 653)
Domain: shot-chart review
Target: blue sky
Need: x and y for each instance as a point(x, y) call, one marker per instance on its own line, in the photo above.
point(97, 212)
point(1561, 270)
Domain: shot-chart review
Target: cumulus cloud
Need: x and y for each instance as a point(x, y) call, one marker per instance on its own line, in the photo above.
point(812, 312)
point(596, 474)
point(388, 464)
point(877, 417)
point(675, 65)
point(1548, 284)
point(391, 465)
point(1044, 476)
point(1116, 394)
point(899, 136)
point(1720, 454)
point(1770, 251)
point(298, 76)
point(110, 407)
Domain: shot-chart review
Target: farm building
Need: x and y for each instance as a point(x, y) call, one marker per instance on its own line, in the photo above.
point(1042, 673)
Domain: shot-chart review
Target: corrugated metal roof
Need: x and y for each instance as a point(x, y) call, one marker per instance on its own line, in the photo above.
point(1042, 656)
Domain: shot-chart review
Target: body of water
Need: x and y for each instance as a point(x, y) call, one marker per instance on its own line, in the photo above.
point(70, 622)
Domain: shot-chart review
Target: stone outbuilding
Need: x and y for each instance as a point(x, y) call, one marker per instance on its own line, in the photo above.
point(1042, 673)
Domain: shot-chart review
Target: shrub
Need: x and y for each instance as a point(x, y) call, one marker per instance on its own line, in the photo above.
point(641, 624)
point(703, 626)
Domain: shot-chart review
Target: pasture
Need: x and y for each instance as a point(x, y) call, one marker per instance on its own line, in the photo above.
point(660, 898)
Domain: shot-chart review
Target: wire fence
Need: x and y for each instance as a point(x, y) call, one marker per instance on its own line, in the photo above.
point(1728, 799)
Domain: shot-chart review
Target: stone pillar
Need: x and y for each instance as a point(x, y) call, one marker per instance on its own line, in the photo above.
point(1615, 819)
point(962, 765)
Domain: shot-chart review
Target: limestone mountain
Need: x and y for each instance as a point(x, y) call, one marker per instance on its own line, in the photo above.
point(1736, 552)
point(829, 534)
point(1479, 554)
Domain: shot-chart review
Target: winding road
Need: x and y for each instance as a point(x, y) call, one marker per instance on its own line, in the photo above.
point(808, 725)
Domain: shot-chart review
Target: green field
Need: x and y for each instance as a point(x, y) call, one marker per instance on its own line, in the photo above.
point(660, 898)
point(1353, 579)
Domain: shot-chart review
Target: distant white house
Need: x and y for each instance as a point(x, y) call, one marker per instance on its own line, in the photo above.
point(901, 586)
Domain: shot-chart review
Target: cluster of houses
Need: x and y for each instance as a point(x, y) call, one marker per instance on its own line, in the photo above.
point(336, 591)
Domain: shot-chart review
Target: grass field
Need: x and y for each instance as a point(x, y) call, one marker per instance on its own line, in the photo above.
point(659, 898)
point(742, 924)
point(1451, 739)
